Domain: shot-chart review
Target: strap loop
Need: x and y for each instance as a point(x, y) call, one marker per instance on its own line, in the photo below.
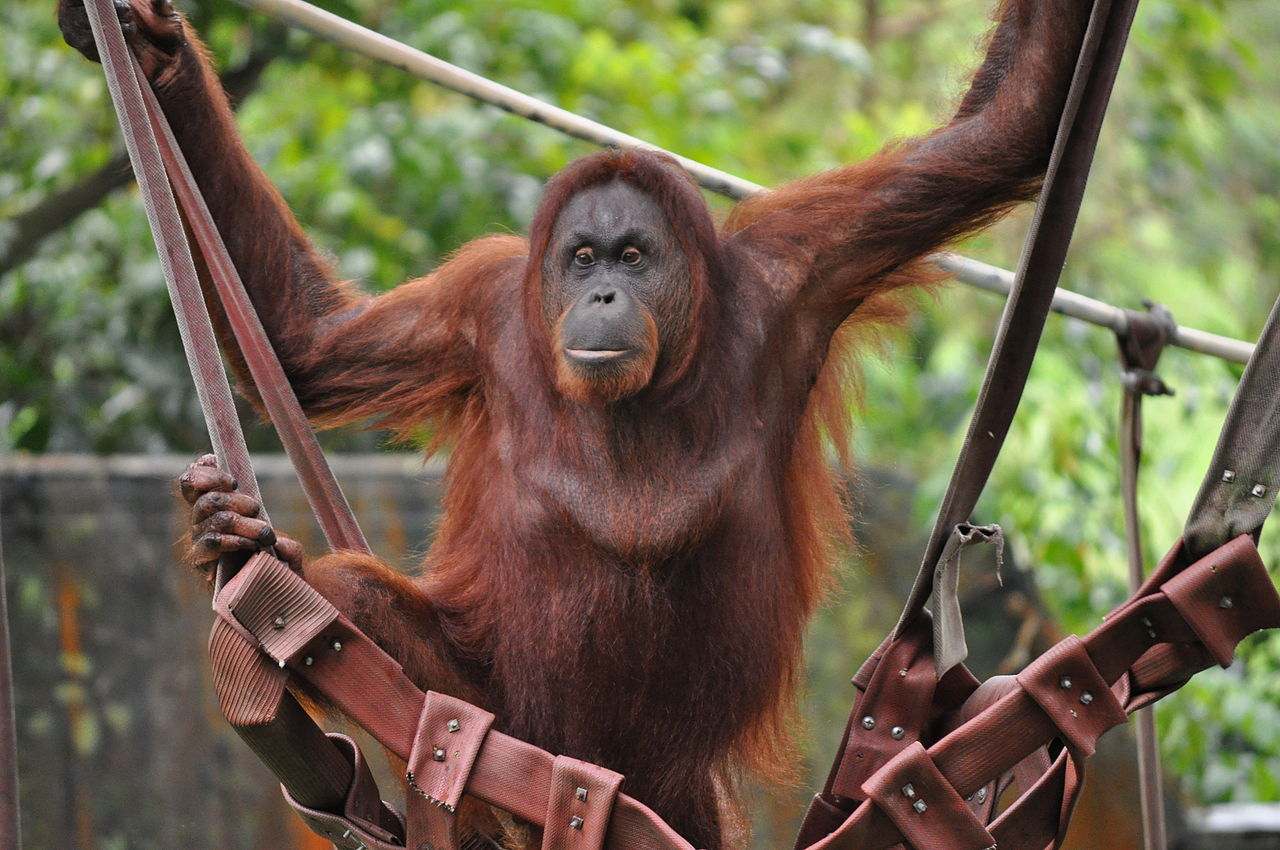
point(449, 737)
point(1069, 689)
point(1225, 597)
point(580, 805)
point(924, 806)
point(349, 831)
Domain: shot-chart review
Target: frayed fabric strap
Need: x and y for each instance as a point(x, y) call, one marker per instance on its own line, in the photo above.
point(449, 737)
point(580, 805)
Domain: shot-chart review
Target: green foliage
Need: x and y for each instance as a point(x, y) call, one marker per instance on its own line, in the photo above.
point(390, 174)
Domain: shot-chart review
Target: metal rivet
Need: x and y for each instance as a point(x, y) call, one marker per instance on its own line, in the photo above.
point(438, 754)
point(278, 623)
point(1086, 698)
point(1259, 490)
point(868, 723)
point(454, 725)
point(981, 796)
point(1225, 602)
point(919, 806)
point(308, 661)
point(337, 646)
point(576, 822)
point(1228, 475)
point(903, 673)
point(281, 663)
point(581, 794)
point(1065, 683)
point(1151, 633)
point(909, 791)
point(897, 733)
point(1146, 621)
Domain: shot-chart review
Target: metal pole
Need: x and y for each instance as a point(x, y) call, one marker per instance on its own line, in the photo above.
point(373, 45)
point(10, 833)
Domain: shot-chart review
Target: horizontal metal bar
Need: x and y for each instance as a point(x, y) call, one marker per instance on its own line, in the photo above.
point(374, 45)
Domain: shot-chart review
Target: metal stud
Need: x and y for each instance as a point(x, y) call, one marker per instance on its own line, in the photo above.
point(278, 623)
point(919, 806)
point(1226, 602)
point(1086, 698)
point(576, 822)
point(1065, 683)
point(453, 725)
point(1228, 475)
point(581, 794)
point(868, 723)
point(337, 646)
point(981, 796)
point(308, 661)
point(902, 673)
point(897, 733)
point(438, 754)
point(1259, 490)
point(909, 791)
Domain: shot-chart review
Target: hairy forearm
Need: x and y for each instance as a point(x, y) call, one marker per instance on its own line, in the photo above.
point(290, 284)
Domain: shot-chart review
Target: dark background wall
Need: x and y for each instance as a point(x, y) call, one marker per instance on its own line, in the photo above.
point(120, 743)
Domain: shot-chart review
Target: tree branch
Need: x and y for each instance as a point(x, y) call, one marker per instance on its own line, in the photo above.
point(58, 210)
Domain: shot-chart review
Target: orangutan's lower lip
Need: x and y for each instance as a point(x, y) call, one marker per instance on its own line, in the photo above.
point(596, 355)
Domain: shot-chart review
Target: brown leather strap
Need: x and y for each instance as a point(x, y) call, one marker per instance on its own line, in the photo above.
point(1180, 603)
point(371, 688)
point(923, 805)
point(281, 734)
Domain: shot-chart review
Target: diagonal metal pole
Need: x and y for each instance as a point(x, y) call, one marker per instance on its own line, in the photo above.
point(374, 45)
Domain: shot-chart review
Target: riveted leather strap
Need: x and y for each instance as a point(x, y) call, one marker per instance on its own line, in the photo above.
point(579, 806)
point(923, 805)
point(448, 738)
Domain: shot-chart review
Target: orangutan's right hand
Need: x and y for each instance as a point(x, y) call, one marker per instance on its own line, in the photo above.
point(224, 521)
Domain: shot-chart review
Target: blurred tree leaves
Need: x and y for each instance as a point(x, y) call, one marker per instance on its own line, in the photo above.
point(391, 174)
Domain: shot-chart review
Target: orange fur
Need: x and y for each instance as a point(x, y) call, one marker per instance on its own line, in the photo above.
point(628, 581)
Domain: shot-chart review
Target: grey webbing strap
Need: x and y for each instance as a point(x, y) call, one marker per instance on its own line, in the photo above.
point(288, 733)
point(198, 340)
point(162, 172)
point(1038, 272)
point(1240, 488)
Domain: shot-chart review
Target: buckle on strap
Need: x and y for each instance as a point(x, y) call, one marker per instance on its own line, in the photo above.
point(276, 606)
point(580, 805)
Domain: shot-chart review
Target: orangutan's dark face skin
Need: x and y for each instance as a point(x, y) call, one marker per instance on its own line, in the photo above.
point(615, 292)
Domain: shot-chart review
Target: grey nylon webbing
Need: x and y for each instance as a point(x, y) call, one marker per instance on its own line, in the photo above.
point(1041, 265)
point(1240, 488)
